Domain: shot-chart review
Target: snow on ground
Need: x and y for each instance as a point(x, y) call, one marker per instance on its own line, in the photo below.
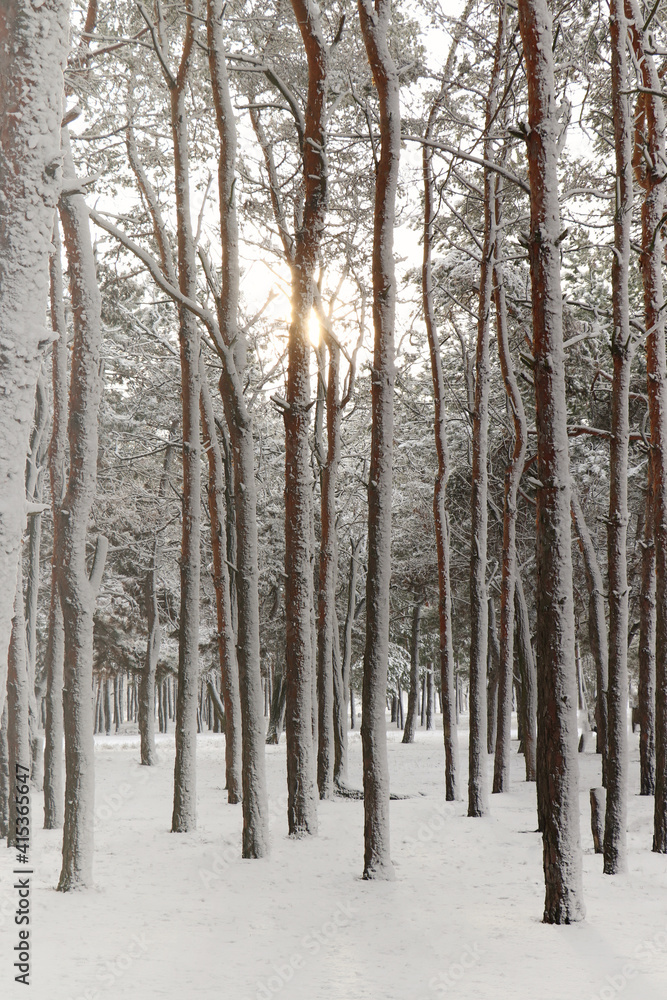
point(180, 916)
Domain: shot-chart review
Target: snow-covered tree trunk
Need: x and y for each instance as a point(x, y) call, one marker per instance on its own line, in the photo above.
point(326, 669)
point(226, 639)
point(374, 19)
point(356, 546)
point(597, 627)
point(413, 693)
point(146, 706)
point(479, 623)
point(33, 50)
point(646, 652)
point(528, 677)
point(448, 692)
point(501, 776)
point(622, 350)
point(78, 587)
point(300, 718)
point(651, 169)
point(55, 648)
point(184, 816)
point(232, 348)
point(557, 684)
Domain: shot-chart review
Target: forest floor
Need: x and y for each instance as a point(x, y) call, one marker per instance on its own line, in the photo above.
point(181, 916)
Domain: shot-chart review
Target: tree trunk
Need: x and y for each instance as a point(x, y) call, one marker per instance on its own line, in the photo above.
point(651, 170)
point(147, 678)
point(557, 694)
point(184, 815)
point(622, 350)
point(326, 670)
point(32, 58)
point(528, 678)
point(226, 643)
point(477, 779)
point(55, 649)
point(492, 677)
point(78, 587)
point(301, 807)
point(597, 627)
point(413, 694)
point(501, 776)
point(646, 656)
point(374, 19)
point(449, 713)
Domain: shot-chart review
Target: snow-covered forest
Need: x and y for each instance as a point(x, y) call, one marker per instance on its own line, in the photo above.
point(333, 499)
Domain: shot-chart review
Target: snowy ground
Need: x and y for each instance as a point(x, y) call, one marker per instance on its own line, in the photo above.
point(176, 916)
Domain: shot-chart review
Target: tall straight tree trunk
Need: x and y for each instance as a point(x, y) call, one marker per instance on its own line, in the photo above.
point(55, 648)
point(326, 668)
point(449, 715)
point(477, 756)
point(300, 719)
point(557, 683)
point(597, 627)
point(492, 677)
point(528, 678)
point(226, 641)
point(651, 169)
point(151, 583)
point(184, 815)
point(356, 546)
point(374, 19)
point(78, 587)
point(646, 655)
point(32, 58)
point(230, 343)
point(501, 775)
point(622, 349)
point(413, 693)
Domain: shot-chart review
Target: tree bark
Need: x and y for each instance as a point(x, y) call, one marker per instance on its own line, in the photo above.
point(557, 694)
point(622, 350)
point(646, 655)
point(301, 804)
point(449, 714)
point(374, 19)
point(78, 587)
point(147, 678)
point(328, 574)
point(492, 677)
point(651, 170)
point(528, 678)
point(413, 693)
point(184, 815)
point(501, 776)
point(230, 343)
point(477, 768)
point(597, 627)
point(32, 58)
point(226, 640)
